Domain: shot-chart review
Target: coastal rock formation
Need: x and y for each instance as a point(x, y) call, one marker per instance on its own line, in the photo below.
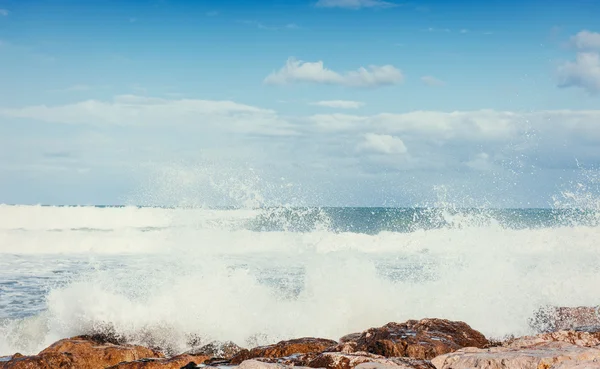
point(365, 360)
point(173, 363)
point(337, 360)
point(284, 349)
point(423, 339)
point(550, 319)
point(424, 344)
point(545, 355)
point(81, 352)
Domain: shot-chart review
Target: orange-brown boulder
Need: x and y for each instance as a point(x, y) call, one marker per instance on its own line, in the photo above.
point(80, 353)
point(285, 348)
point(175, 362)
point(423, 339)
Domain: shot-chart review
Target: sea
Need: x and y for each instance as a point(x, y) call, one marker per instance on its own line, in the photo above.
point(174, 277)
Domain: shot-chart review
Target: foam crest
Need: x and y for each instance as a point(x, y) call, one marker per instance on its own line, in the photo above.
point(166, 277)
point(259, 287)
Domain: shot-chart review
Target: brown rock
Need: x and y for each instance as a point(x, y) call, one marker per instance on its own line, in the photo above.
point(550, 319)
point(285, 348)
point(217, 350)
point(365, 360)
point(173, 363)
point(336, 360)
point(541, 356)
point(424, 339)
point(49, 361)
point(256, 364)
point(80, 353)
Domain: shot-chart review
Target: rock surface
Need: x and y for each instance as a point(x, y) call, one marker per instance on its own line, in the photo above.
point(364, 360)
point(81, 353)
point(173, 363)
point(584, 339)
point(284, 349)
point(541, 356)
point(550, 319)
point(577, 365)
point(423, 339)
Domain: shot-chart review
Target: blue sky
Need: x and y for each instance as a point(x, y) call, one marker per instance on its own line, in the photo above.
point(330, 102)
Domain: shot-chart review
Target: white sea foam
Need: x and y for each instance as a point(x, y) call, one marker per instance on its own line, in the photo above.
point(161, 275)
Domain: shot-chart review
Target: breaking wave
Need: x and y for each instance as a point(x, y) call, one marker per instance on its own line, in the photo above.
point(166, 276)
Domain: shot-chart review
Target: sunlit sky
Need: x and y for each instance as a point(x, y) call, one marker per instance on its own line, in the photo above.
point(328, 102)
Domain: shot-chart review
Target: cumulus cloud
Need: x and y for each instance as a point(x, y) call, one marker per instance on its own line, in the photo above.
point(432, 81)
point(339, 104)
point(354, 4)
point(382, 144)
point(584, 72)
point(296, 71)
point(586, 40)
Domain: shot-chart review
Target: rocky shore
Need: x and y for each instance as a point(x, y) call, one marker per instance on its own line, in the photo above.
point(567, 338)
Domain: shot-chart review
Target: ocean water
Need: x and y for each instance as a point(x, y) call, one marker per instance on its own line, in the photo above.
point(167, 276)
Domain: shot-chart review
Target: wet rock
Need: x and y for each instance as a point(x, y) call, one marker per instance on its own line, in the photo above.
point(338, 360)
point(256, 364)
point(547, 355)
point(49, 361)
point(284, 349)
point(550, 319)
point(365, 360)
point(173, 363)
point(80, 353)
point(423, 339)
point(217, 350)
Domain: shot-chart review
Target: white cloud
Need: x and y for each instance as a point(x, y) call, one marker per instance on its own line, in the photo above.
point(432, 81)
point(584, 72)
point(315, 72)
point(339, 104)
point(354, 4)
point(147, 111)
point(3, 12)
point(321, 149)
point(382, 144)
point(586, 40)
